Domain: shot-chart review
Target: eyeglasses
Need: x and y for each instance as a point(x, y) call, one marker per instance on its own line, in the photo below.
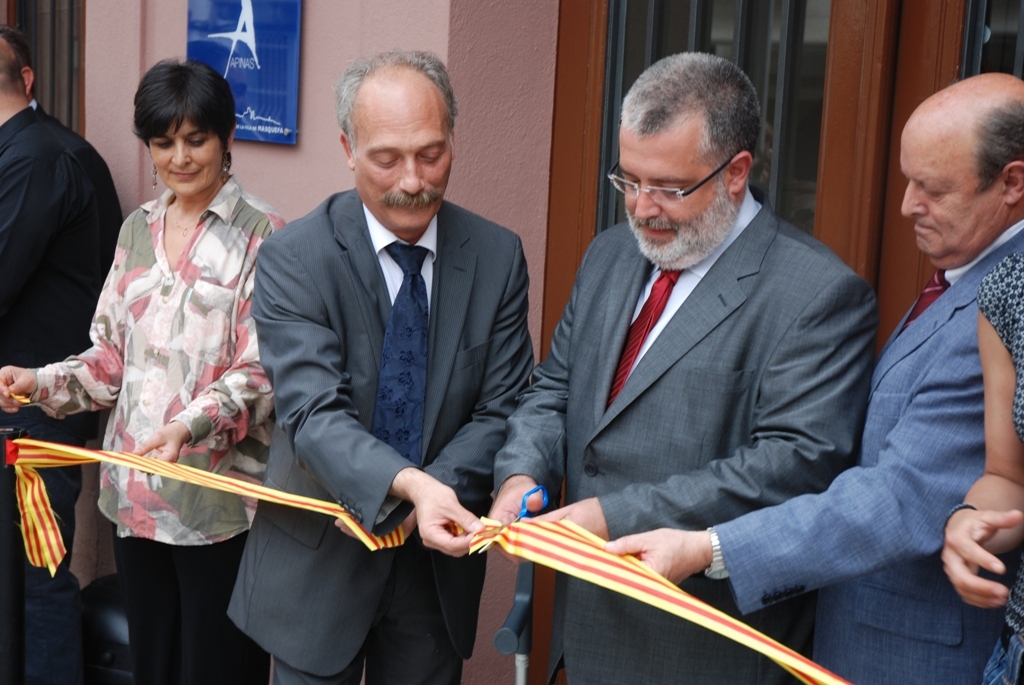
point(662, 196)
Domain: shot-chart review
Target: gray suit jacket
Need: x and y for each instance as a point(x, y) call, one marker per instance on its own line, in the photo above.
point(889, 614)
point(306, 592)
point(752, 394)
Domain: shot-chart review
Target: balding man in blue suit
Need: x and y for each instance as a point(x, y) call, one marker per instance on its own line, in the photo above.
point(886, 612)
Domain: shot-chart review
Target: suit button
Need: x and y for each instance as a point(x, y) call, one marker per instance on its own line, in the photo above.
point(590, 470)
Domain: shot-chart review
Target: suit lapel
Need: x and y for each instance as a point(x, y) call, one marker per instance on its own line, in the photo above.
point(717, 295)
point(620, 303)
point(924, 327)
point(353, 236)
point(964, 293)
point(454, 271)
point(895, 333)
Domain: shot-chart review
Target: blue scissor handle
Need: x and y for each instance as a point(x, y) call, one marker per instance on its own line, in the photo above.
point(524, 512)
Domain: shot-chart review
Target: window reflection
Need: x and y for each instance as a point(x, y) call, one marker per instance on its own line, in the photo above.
point(999, 36)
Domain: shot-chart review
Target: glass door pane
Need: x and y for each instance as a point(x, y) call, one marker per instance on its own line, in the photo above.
point(999, 50)
point(53, 29)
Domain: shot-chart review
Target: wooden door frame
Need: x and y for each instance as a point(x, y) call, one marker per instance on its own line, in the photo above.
point(930, 52)
point(572, 214)
point(856, 114)
point(575, 151)
point(885, 58)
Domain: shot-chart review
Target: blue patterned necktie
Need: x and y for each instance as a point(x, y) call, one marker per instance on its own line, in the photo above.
point(402, 381)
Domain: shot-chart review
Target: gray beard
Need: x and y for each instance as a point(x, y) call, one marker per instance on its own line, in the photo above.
point(694, 239)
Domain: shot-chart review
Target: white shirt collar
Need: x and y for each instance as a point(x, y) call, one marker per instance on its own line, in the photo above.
point(382, 237)
point(954, 275)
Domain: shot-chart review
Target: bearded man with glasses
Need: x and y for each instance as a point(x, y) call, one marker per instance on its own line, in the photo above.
point(713, 360)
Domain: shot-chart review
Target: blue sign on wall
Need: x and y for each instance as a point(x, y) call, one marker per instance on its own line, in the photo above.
point(255, 45)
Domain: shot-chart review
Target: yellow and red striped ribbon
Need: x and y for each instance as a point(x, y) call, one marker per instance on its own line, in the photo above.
point(43, 544)
point(561, 545)
point(569, 549)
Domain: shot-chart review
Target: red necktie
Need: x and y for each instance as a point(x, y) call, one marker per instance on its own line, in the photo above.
point(931, 292)
point(641, 328)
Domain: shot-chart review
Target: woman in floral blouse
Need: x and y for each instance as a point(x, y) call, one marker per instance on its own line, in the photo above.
point(174, 354)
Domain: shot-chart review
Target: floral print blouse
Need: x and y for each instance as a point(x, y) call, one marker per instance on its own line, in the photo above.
point(177, 345)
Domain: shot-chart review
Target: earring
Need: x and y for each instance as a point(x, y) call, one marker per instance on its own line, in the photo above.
point(154, 177)
point(225, 165)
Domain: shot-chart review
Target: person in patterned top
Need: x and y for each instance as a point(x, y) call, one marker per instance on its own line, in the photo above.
point(989, 522)
point(174, 354)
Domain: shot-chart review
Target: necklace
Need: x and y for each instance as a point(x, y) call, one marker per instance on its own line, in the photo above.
point(184, 229)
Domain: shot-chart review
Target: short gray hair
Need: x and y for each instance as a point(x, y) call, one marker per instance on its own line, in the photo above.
point(426, 63)
point(694, 83)
point(1000, 141)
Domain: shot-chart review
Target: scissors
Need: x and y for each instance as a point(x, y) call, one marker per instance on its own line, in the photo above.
point(523, 513)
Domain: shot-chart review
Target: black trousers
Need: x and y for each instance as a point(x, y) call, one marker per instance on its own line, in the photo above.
point(176, 598)
point(408, 643)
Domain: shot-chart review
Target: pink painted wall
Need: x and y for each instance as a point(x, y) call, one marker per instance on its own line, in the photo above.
point(502, 60)
point(292, 178)
point(501, 56)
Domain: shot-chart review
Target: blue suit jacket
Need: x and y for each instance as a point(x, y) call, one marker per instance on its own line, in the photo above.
point(886, 611)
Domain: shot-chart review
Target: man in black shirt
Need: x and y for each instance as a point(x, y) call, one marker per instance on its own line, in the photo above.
point(107, 204)
point(49, 283)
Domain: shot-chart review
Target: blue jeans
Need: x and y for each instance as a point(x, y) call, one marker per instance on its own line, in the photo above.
point(53, 622)
point(1003, 667)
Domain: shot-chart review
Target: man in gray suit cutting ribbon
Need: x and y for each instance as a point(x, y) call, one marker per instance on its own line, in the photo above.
point(886, 612)
point(393, 327)
point(712, 360)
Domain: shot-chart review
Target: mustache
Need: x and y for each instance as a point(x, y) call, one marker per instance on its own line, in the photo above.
point(397, 199)
point(658, 223)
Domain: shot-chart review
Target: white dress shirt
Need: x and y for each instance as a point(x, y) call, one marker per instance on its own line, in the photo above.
point(393, 274)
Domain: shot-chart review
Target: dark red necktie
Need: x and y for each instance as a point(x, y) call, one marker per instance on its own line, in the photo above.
point(931, 292)
point(641, 328)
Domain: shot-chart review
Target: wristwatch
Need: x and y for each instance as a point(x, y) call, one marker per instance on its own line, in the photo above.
point(717, 570)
